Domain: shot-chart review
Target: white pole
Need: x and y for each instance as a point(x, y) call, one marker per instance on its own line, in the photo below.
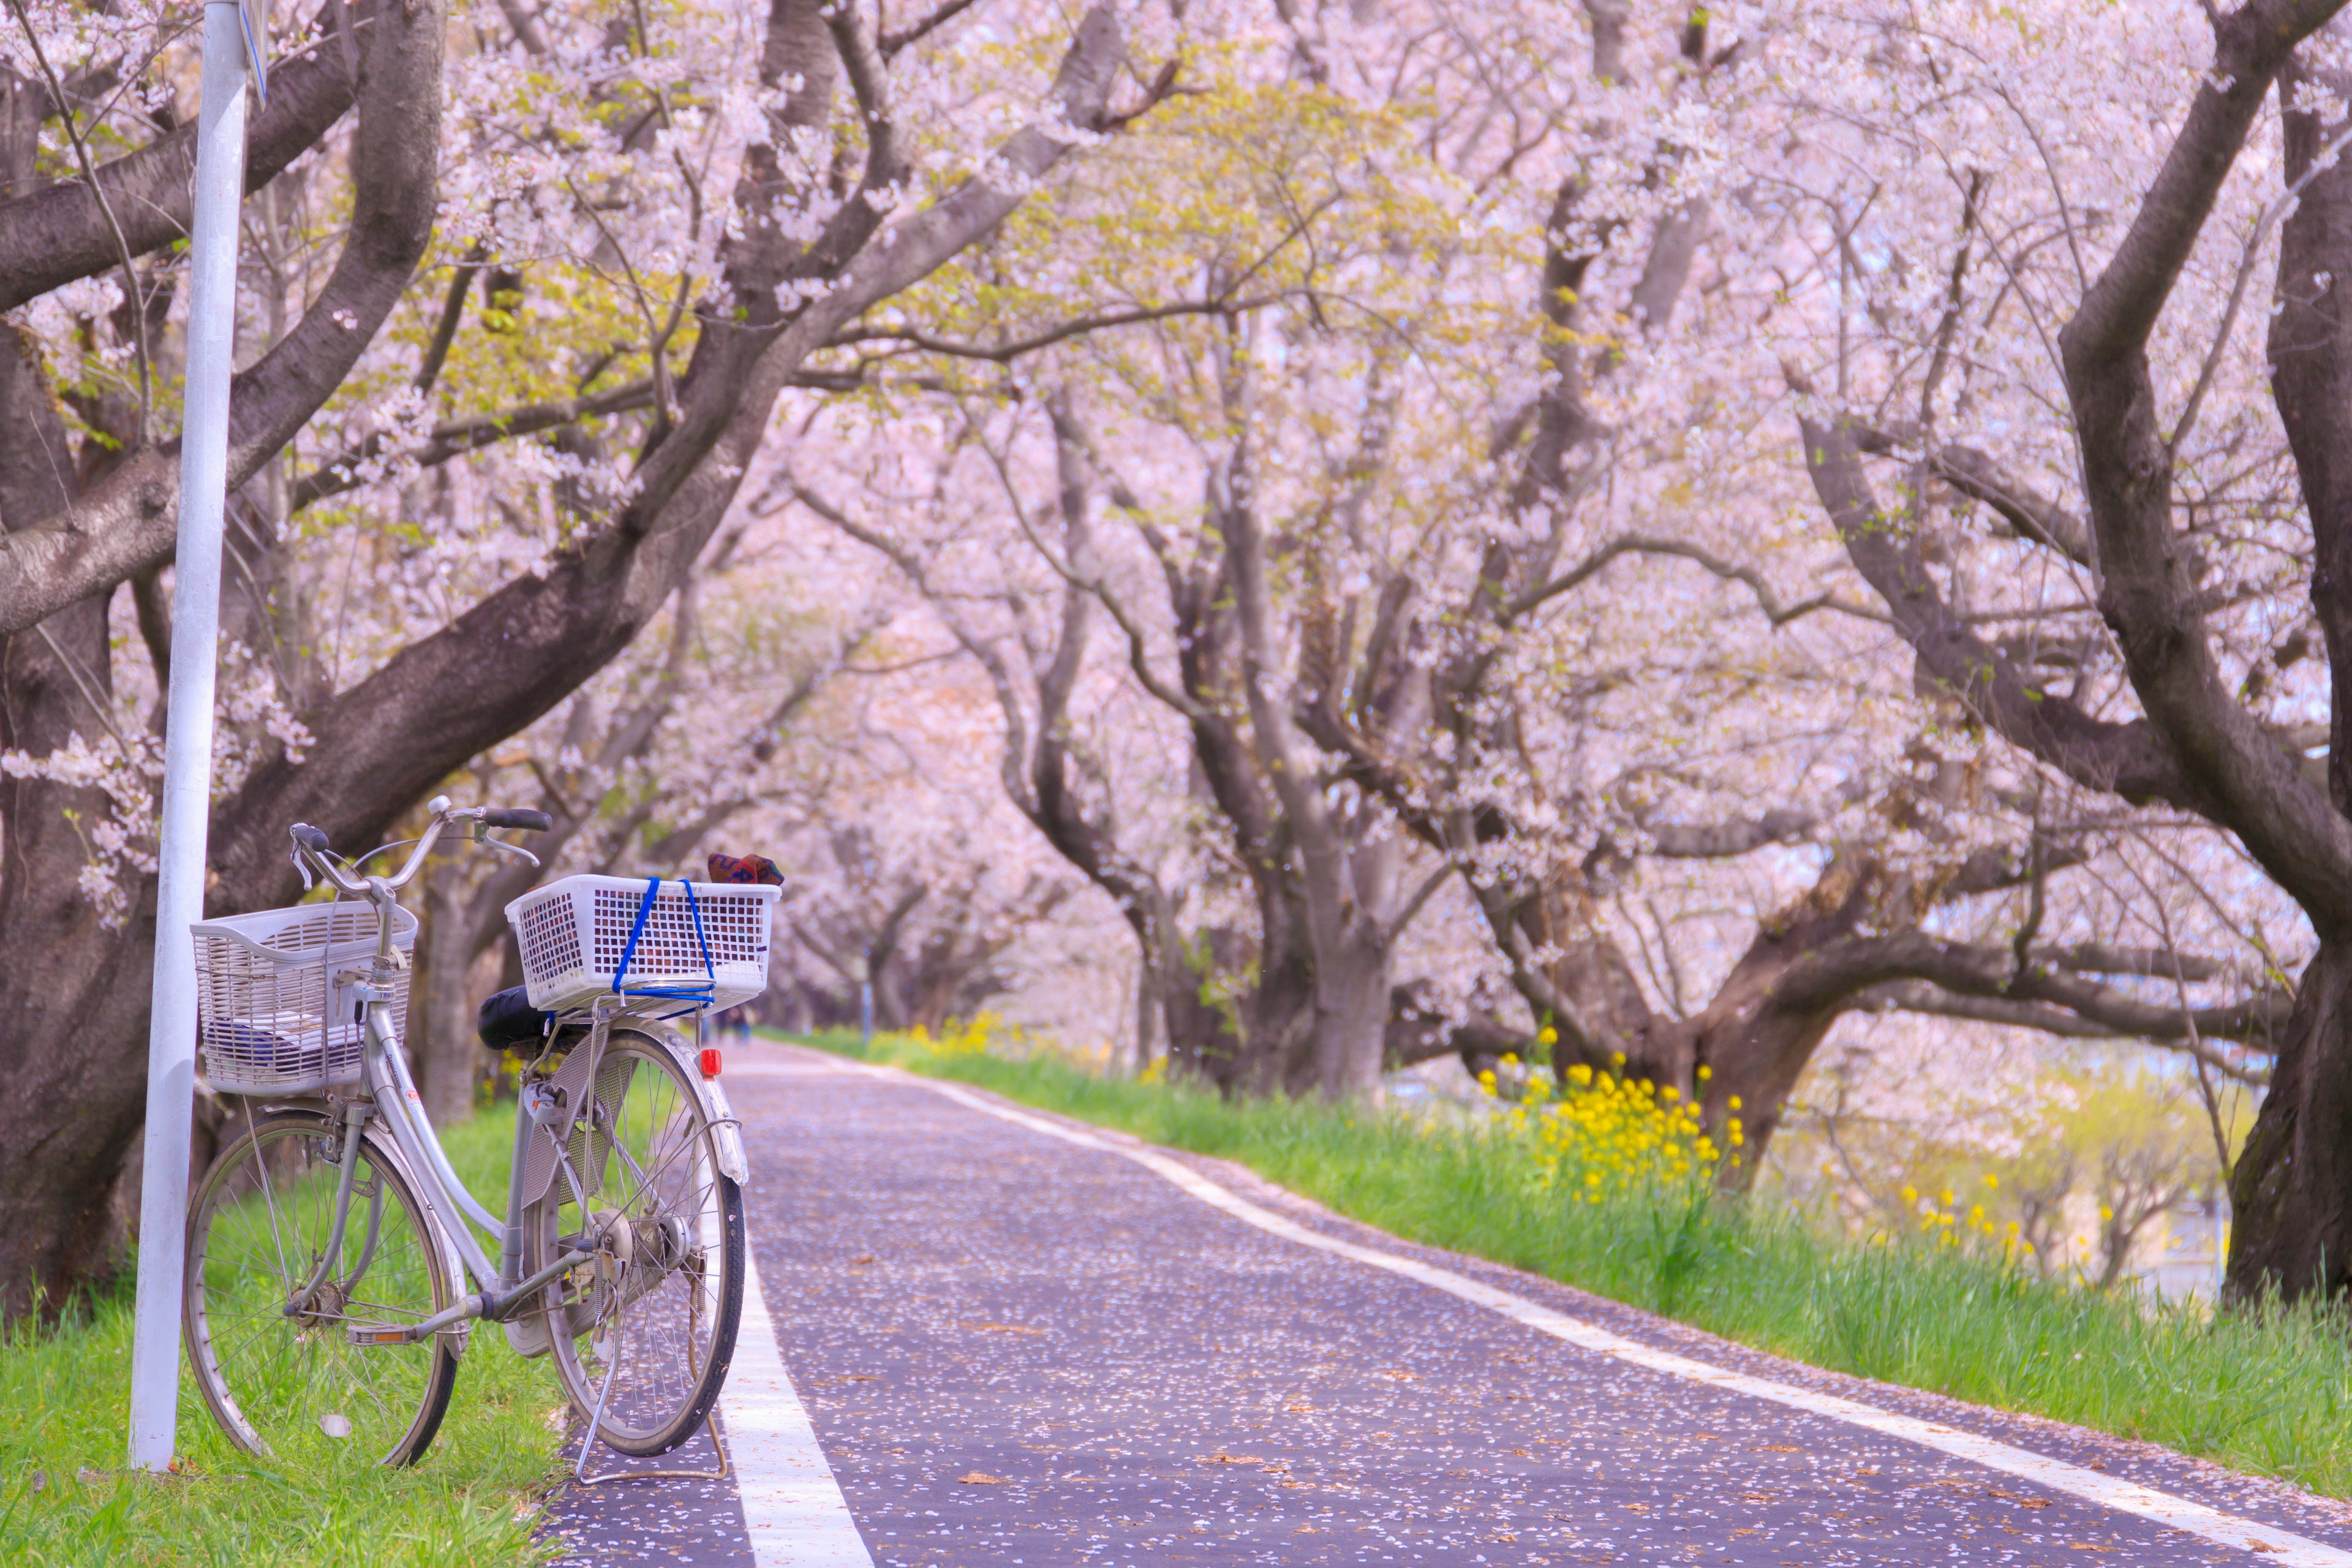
point(188, 740)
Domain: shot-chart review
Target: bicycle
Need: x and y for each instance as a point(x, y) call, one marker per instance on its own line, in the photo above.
point(329, 1241)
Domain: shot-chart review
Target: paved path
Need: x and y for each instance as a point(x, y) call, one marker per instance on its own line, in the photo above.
point(1016, 1341)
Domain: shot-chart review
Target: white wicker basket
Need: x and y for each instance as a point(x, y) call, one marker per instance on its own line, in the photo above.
point(271, 1018)
point(574, 930)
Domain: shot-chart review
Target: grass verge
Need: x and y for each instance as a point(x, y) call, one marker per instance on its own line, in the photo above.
point(2266, 1394)
point(64, 1398)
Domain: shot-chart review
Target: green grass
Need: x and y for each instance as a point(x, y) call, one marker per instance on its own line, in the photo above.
point(2268, 1394)
point(65, 1396)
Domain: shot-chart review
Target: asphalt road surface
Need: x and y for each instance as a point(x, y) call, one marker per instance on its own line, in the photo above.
point(981, 1335)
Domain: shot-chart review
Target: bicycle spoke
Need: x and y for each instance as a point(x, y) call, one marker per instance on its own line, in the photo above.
point(284, 1382)
point(651, 1326)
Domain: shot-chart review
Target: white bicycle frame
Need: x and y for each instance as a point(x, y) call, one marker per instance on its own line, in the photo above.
point(451, 1204)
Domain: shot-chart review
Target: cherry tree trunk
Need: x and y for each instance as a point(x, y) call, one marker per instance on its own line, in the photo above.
point(73, 993)
point(73, 990)
point(2291, 1190)
point(1754, 1054)
point(1352, 987)
point(443, 1050)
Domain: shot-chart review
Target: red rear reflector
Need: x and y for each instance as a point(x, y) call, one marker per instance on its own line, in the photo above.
point(709, 1064)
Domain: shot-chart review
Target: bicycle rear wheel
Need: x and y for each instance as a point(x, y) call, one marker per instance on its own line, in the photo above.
point(294, 1386)
point(646, 1330)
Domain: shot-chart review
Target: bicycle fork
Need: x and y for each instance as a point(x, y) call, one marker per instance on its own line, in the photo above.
point(355, 1116)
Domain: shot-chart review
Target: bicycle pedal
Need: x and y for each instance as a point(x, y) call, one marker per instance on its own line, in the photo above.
point(377, 1334)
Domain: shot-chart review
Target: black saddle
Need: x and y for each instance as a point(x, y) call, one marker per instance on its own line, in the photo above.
point(508, 1022)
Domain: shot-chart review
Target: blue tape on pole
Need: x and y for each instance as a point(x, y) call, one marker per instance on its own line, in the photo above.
point(253, 56)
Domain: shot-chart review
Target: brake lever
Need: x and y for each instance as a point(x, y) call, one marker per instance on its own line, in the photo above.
point(514, 849)
point(301, 865)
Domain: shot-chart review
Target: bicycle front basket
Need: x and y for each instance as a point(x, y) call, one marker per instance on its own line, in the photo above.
point(271, 1018)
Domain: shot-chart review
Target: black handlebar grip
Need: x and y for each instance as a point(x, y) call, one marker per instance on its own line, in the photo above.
point(520, 817)
point(316, 838)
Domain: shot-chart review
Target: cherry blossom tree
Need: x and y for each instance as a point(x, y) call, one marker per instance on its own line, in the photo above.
point(2117, 476)
point(1635, 534)
point(1459, 578)
point(662, 223)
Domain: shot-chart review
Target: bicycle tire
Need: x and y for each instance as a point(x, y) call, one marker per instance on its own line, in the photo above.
point(285, 1387)
point(677, 1296)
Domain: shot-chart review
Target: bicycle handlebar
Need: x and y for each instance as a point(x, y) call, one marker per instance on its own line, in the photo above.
point(314, 840)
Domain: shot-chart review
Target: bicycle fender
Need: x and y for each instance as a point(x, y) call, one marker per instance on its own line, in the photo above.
point(726, 1132)
point(540, 1158)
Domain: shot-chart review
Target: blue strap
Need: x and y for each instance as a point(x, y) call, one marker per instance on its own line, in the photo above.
point(701, 994)
point(696, 910)
point(645, 908)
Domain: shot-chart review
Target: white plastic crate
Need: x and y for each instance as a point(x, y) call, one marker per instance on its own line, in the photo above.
point(573, 930)
point(271, 1018)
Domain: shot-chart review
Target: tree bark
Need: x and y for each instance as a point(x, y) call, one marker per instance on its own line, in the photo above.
point(66, 1013)
point(2291, 1189)
point(443, 1048)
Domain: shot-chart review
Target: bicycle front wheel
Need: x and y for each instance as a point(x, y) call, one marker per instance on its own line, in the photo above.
point(284, 1379)
point(645, 1333)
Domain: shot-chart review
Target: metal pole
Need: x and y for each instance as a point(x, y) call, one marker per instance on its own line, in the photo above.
point(863, 973)
point(188, 740)
point(2217, 1207)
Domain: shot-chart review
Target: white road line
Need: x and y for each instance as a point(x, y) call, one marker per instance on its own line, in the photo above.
point(792, 1508)
point(2279, 1548)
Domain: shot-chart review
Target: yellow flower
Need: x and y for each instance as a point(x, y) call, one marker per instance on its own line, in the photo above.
point(1547, 1036)
point(1910, 1195)
point(1733, 1103)
point(1992, 1179)
point(1704, 1073)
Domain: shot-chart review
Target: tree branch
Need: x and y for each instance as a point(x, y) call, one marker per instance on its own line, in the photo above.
point(59, 233)
point(2227, 769)
point(1723, 840)
point(519, 651)
point(897, 38)
point(127, 523)
point(1767, 599)
point(2128, 759)
point(1921, 997)
point(1001, 354)
point(1976, 475)
point(454, 437)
